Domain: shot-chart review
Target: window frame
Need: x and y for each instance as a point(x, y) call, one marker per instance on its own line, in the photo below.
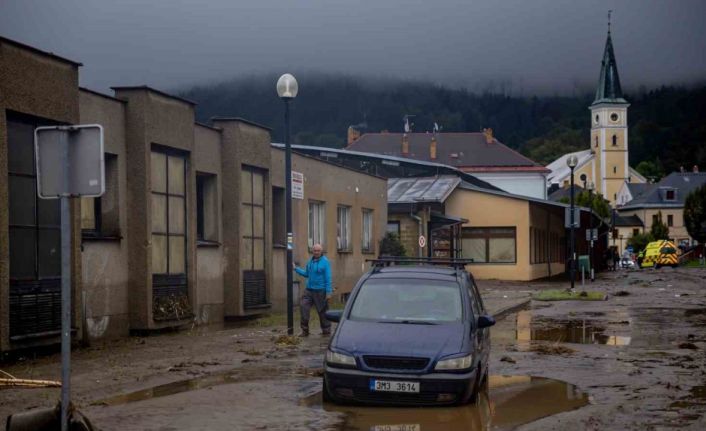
point(485, 232)
point(206, 180)
point(367, 213)
point(320, 210)
point(343, 229)
point(398, 231)
point(253, 171)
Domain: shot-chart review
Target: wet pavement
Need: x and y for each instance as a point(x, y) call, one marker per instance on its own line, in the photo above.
point(634, 361)
point(509, 402)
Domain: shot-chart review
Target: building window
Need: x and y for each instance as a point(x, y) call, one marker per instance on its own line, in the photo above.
point(168, 213)
point(367, 230)
point(615, 140)
point(206, 207)
point(317, 217)
point(596, 142)
point(655, 219)
point(343, 228)
point(489, 245)
point(100, 216)
point(615, 169)
point(279, 223)
point(670, 220)
point(635, 232)
point(252, 219)
point(670, 195)
point(393, 226)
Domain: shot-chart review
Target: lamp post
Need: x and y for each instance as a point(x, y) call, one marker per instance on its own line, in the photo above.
point(590, 187)
point(571, 162)
point(287, 89)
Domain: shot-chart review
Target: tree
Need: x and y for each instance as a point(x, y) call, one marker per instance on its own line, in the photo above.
point(695, 214)
point(595, 200)
point(390, 245)
point(659, 230)
point(639, 242)
point(653, 171)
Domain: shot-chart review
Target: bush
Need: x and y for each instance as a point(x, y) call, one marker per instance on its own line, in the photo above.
point(639, 242)
point(390, 245)
point(659, 230)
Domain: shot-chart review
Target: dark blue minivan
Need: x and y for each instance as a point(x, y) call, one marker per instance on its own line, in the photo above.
point(414, 333)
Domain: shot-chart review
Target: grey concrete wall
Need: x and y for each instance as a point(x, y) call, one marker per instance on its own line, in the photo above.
point(42, 86)
point(105, 260)
point(209, 257)
point(153, 118)
point(243, 144)
point(335, 186)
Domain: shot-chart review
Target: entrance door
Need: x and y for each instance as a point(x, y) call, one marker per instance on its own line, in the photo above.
point(35, 241)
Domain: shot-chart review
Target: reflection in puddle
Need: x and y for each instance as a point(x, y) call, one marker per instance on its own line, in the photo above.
point(579, 331)
point(696, 398)
point(202, 382)
point(511, 401)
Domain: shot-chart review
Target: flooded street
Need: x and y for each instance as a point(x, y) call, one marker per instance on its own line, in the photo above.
point(634, 361)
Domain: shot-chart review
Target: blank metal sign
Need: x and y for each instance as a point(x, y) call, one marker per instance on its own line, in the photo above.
point(75, 150)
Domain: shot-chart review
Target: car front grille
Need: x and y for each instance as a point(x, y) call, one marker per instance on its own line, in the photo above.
point(395, 362)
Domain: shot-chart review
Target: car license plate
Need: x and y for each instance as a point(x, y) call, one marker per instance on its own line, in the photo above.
point(393, 386)
point(398, 427)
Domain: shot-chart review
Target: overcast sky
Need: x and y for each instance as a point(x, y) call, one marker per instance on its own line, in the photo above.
point(537, 45)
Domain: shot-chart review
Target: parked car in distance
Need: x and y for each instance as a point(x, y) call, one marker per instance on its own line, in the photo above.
point(627, 263)
point(413, 334)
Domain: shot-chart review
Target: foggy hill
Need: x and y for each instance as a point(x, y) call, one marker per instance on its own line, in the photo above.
point(667, 126)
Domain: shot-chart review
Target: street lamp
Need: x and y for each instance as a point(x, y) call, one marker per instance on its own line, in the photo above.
point(287, 89)
point(571, 162)
point(590, 186)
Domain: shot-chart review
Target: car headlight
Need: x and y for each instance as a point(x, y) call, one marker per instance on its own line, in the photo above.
point(336, 358)
point(461, 363)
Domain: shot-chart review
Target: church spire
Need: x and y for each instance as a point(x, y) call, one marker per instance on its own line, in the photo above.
point(609, 90)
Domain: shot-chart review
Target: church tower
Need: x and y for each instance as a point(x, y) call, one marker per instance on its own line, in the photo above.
point(609, 128)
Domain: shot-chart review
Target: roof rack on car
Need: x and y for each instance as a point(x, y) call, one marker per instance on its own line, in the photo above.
point(398, 260)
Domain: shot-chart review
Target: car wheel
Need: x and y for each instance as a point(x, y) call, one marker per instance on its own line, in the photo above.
point(477, 386)
point(325, 394)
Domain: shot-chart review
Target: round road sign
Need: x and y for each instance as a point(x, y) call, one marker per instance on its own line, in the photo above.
point(422, 241)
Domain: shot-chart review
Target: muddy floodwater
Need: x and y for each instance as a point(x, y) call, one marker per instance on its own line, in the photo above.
point(510, 401)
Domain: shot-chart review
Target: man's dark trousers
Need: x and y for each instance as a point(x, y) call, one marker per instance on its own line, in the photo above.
point(317, 299)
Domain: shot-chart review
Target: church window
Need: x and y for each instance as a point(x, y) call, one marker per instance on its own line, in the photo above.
point(615, 140)
point(614, 117)
point(615, 169)
point(596, 140)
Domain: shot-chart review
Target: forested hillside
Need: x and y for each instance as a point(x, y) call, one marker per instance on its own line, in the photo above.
point(667, 125)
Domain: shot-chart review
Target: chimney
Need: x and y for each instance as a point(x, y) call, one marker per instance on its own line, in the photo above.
point(695, 169)
point(488, 135)
point(353, 135)
point(405, 145)
point(432, 148)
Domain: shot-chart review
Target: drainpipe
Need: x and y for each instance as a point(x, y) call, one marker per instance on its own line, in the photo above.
point(419, 223)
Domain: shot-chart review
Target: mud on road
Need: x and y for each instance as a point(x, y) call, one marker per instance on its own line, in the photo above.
point(634, 361)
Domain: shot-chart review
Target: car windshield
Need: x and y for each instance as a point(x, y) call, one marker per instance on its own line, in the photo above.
point(408, 301)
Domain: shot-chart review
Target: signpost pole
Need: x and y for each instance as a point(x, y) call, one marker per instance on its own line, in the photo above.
point(65, 289)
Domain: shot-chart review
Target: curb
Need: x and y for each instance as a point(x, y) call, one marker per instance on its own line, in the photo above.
point(504, 312)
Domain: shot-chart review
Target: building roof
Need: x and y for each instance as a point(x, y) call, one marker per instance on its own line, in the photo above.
point(466, 151)
point(424, 189)
point(638, 189)
point(153, 90)
point(242, 120)
point(559, 169)
point(440, 168)
point(609, 90)
point(565, 192)
point(98, 93)
point(682, 183)
point(39, 51)
point(627, 221)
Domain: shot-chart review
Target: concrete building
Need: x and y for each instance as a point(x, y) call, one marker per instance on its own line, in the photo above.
point(605, 162)
point(190, 228)
point(665, 199)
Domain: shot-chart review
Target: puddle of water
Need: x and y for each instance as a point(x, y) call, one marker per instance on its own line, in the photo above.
point(204, 382)
point(578, 331)
point(510, 402)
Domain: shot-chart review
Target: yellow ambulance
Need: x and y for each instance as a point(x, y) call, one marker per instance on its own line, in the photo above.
point(660, 253)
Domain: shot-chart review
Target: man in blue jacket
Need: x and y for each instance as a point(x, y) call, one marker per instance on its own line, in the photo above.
point(318, 289)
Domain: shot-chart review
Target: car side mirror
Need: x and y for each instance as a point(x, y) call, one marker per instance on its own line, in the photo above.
point(485, 321)
point(334, 315)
